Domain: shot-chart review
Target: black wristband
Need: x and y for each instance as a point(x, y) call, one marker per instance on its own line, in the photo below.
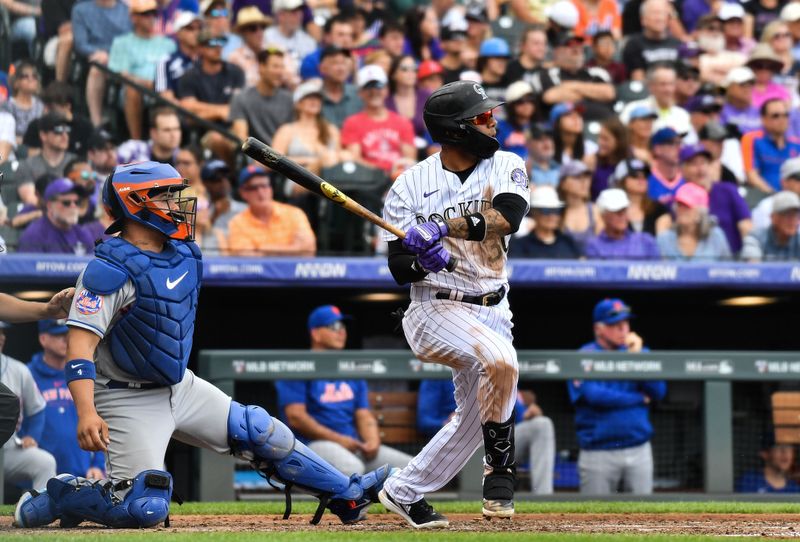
point(476, 227)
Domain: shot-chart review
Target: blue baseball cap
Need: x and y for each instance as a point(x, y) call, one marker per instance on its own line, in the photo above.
point(561, 109)
point(664, 136)
point(642, 112)
point(214, 169)
point(325, 316)
point(53, 327)
point(249, 172)
point(611, 311)
point(690, 151)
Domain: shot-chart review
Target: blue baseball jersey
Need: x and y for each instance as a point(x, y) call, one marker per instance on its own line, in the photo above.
point(436, 402)
point(612, 414)
point(332, 403)
point(60, 436)
point(756, 482)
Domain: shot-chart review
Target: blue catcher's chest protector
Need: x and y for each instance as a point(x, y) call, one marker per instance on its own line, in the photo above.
point(154, 338)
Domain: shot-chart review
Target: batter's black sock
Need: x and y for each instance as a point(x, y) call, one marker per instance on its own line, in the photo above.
point(498, 443)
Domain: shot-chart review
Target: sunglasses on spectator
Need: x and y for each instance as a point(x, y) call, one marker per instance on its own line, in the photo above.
point(150, 13)
point(336, 326)
point(763, 66)
point(218, 12)
point(254, 187)
point(253, 28)
point(548, 211)
point(780, 35)
point(61, 129)
point(481, 120)
point(778, 116)
point(68, 202)
point(407, 67)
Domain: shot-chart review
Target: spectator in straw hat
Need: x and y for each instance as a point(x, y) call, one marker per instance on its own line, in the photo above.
point(250, 25)
point(513, 132)
point(695, 236)
point(766, 65)
point(546, 240)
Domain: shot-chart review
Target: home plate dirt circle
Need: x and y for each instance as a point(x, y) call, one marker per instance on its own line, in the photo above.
point(763, 525)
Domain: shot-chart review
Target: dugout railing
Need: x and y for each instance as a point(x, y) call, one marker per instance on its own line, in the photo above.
point(716, 370)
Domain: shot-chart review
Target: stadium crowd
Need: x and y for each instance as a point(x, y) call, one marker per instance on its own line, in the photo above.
point(652, 129)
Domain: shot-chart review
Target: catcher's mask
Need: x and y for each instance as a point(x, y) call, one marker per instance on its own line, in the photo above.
point(150, 193)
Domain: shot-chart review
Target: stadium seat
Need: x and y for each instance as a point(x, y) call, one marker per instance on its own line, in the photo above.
point(340, 231)
point(786, 416)
point(396, 413)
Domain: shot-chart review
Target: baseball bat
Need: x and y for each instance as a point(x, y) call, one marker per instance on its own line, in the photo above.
point(263, 153)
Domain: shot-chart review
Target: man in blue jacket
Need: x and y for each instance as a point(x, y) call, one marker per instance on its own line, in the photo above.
point(534, 434)
point(59, 436)
point(612, 416)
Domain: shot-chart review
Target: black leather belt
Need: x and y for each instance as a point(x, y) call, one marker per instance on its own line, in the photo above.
point(487, 300)
point(117, 385)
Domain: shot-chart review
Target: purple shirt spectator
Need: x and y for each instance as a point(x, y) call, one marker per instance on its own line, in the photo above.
point(417, 121)
point(58, 230)
point(43, 236)
point(634, 246)
point(747, 120)
point(729, 207)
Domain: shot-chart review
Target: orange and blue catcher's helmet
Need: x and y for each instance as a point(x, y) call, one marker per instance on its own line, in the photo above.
point(150, 193)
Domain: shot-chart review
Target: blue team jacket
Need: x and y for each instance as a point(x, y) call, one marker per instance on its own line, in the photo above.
point(60, 436)
point(436, 401)
point(611, 414)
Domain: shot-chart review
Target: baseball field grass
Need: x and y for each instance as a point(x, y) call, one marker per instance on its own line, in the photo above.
point(541, 521)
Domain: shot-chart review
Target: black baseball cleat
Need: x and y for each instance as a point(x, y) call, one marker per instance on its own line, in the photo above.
point(419, 515)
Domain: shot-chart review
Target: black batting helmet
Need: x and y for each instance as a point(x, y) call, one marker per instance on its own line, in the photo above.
point(447, 109)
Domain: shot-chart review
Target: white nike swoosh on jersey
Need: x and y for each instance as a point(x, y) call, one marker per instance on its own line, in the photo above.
point(171, 285)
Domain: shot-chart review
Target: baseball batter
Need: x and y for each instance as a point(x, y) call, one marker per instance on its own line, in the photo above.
point(131, 325)
point(461, 203)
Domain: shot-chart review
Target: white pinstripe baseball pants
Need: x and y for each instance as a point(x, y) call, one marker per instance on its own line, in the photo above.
point(476, 343)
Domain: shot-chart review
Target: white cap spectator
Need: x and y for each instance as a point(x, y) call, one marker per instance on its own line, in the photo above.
point(545, 197)
point(613, 200)
point(470, 75)
point(371, 74)
point(785, 201)
point(739, 75)
point(307, 88)
point(517, 90)
point(563, 13)
point(790, 168)
point(791, 12)
point(728, 11)
point(286, 5)
point(184, 19)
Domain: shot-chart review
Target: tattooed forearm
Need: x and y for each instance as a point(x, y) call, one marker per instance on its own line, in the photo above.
point(495, 224)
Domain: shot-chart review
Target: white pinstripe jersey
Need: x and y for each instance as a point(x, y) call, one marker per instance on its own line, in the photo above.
point(427, 191)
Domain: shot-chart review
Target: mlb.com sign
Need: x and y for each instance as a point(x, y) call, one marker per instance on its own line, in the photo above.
point(657, 272)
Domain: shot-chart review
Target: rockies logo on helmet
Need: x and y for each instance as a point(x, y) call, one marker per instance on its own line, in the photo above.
point(446, 111)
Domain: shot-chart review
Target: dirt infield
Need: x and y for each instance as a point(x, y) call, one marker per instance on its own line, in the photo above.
point(765, 525)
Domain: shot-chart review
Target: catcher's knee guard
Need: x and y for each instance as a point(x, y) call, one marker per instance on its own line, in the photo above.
point(498, 442)
point(73, 499)
point(272, 449)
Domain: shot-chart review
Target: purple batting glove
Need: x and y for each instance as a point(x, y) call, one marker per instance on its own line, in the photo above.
point(434, 259)
point(423, 236)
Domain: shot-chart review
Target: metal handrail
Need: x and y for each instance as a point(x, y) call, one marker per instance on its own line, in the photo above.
point(208, 125)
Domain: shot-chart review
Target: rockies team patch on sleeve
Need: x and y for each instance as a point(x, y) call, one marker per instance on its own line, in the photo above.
point(519, 177)
point(89, 303)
